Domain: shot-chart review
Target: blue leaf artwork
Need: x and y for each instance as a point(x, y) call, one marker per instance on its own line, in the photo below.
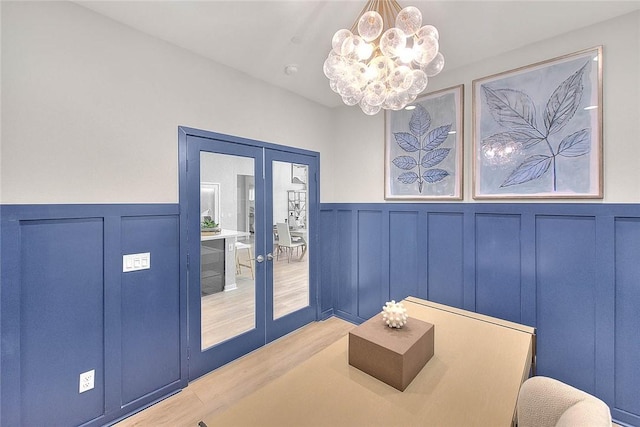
point(543, 131)
point(424, 150)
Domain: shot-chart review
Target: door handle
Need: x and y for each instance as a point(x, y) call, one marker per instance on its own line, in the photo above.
point(270, 256)
point(259, 258)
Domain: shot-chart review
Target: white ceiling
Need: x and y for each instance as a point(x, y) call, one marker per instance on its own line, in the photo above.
point(260, 38)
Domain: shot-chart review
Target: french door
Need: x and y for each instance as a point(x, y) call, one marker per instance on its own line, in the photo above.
point(249, 213)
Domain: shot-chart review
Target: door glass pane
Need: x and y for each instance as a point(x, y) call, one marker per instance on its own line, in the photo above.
point(227, 275)
point(291, 242)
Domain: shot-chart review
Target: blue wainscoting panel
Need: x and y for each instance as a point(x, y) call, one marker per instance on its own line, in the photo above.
point(61, 320)
point(565, 271)
point(445, 258)
point(67, 309)
point(150, 307)
point(347, 292)
point(577, 266)
point(404, 254)
point(627, 317)
point(373, 289)
point(498, 270)
point(329, 259)
point(572, 270)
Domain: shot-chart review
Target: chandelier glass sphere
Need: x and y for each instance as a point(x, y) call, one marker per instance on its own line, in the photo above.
point(380, 66)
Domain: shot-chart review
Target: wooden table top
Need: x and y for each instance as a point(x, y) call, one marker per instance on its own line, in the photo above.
point(473, 379)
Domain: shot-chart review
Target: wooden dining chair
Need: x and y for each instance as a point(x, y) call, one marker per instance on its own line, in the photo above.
point(244, 263)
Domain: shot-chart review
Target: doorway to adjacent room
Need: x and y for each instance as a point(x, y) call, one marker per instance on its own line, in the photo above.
point(250, 244)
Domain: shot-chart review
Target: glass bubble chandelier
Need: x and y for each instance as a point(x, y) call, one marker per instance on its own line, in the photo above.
point(379, 66)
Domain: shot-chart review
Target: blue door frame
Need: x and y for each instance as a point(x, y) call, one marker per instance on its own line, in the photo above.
point(191, 143)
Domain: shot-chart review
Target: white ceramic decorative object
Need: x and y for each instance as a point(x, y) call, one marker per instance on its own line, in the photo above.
point(394, 314)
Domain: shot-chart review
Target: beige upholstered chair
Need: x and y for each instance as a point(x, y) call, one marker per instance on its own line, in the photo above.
point(545, 402)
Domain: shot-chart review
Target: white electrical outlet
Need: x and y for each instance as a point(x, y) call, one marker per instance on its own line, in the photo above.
point(87, 380)
point(134, 262)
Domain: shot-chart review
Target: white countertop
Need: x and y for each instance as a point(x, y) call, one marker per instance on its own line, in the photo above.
point(224, 234)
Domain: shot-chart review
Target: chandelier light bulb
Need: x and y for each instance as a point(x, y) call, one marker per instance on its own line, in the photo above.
point(382, 66)
point(371, 73)
point(369, 109)
point(333, 84)
point(362, 73)
point(435, 66)
point(420, 81)
point(351, 100)
point(406, 55)
point(349, 46)
point(378, 66)
point(393, 101)
point(409, 20)
point(370, 26)
point(425, 49)
point(401, 79)
point(375, 94)
point(338, 38)
point(364, 51)
point(332, 66)
point(428, 30)
point(392, 41)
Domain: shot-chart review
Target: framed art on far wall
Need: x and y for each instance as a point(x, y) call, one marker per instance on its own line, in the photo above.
point(298, 174)
point(424, 149)
point(537, 130)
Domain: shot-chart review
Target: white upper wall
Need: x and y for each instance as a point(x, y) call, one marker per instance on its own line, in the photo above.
point(91, 108)
point(357, 160)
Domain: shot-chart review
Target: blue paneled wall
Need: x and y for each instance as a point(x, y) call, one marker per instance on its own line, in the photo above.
point(498, 265)
point(627, 318)
point(67, 308)
point(570, 270)
point(61, 318)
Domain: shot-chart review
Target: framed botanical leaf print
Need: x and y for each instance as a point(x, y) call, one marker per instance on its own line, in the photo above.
point(423, 148)
point(537, 130)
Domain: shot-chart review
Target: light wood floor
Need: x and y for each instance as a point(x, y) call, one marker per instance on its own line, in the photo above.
point(230, 313)
point(290, 284)
point(218, 390)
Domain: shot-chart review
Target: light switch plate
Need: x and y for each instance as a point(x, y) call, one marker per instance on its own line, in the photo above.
point(134, 262)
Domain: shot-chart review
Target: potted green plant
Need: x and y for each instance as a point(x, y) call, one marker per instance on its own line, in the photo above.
point(209, 225)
